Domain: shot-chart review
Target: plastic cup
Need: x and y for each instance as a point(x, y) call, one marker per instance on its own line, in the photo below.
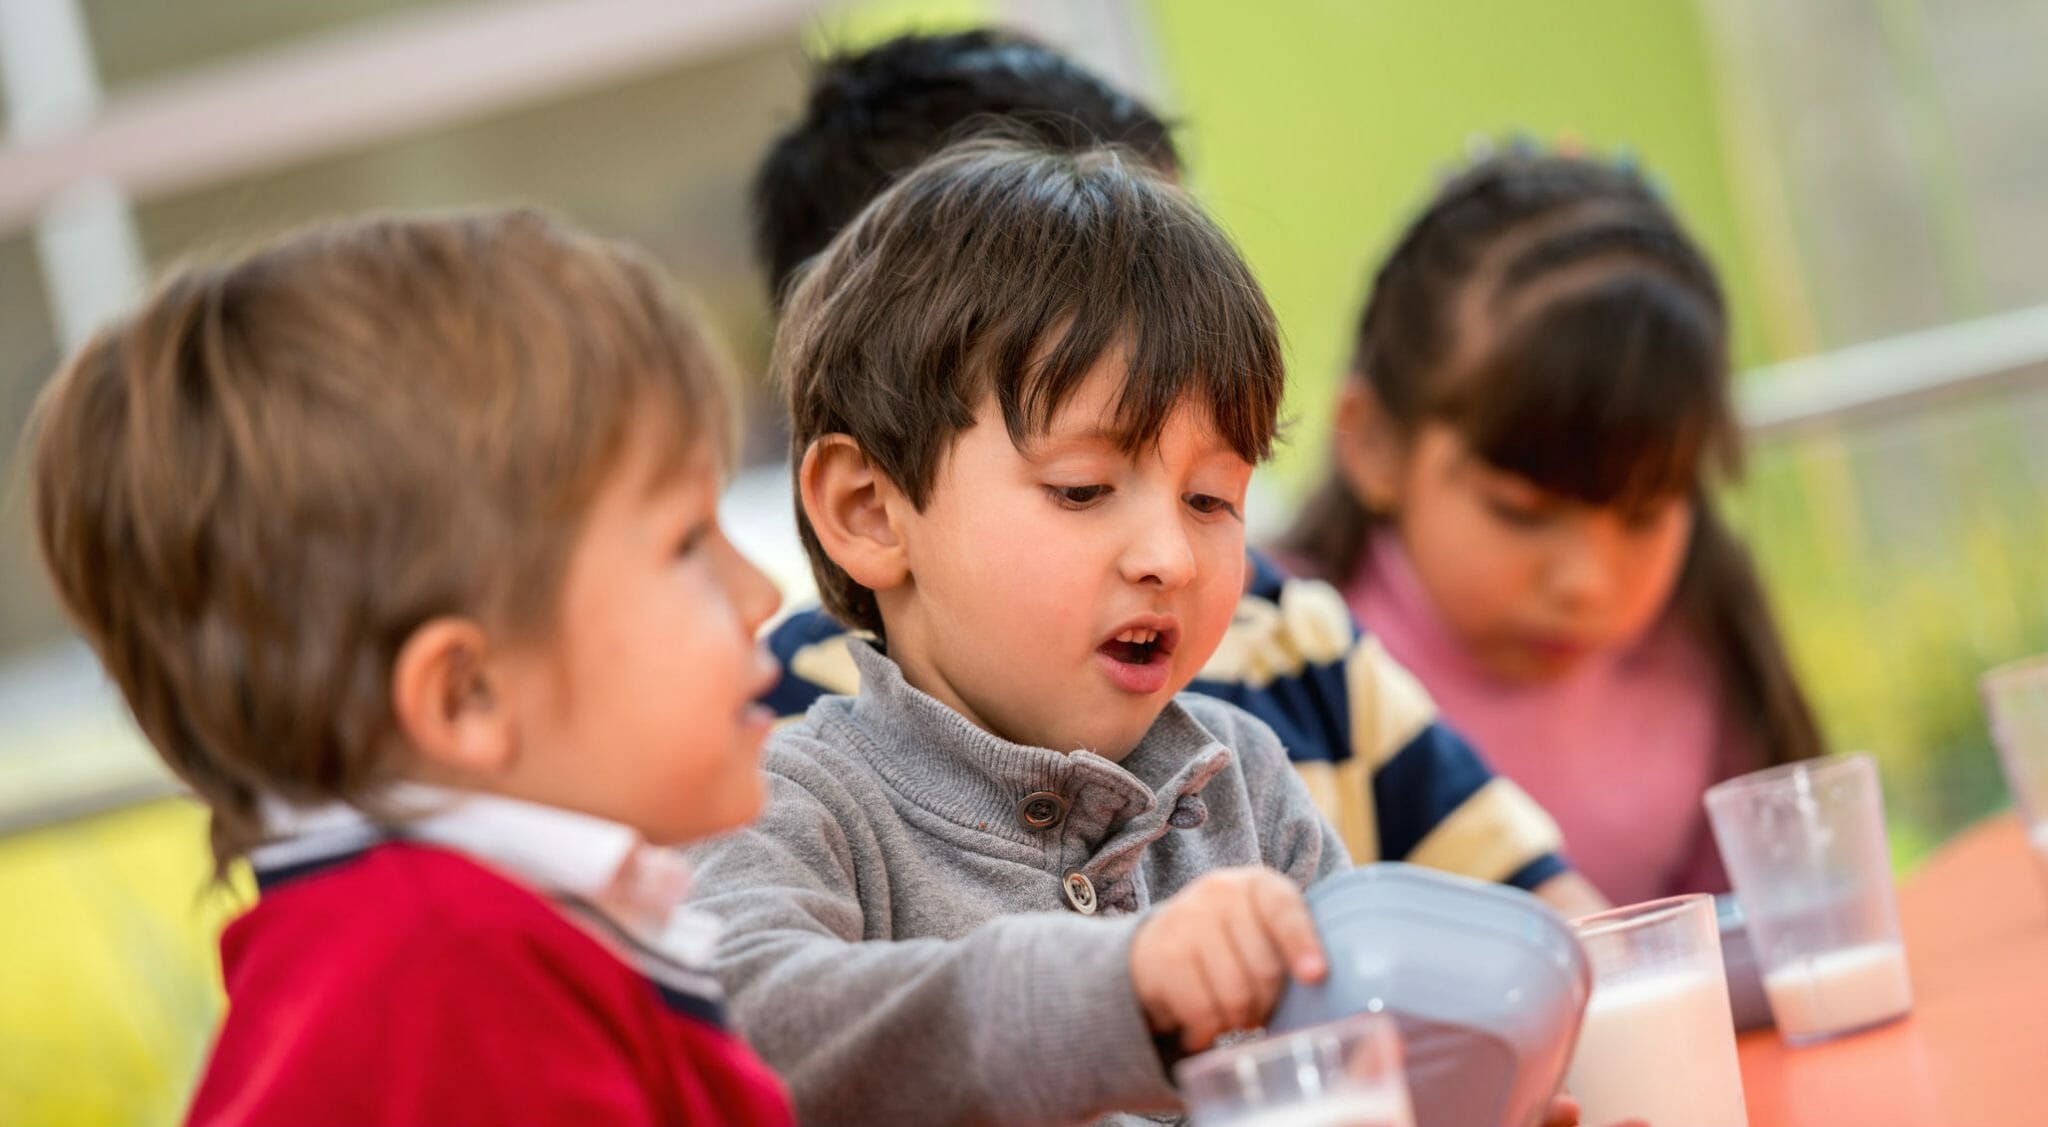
point(1344, 1073)
point(1746, 999)
point(1805, 846)
point(2016, 701)
point(1657, 1042)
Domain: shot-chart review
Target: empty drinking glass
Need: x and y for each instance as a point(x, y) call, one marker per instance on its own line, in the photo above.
point(1344, 1073)
point(1805, 846)
point(2016, 701)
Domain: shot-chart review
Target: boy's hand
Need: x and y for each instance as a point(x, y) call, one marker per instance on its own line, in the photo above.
point(1214, 957)
point(1564, 1112)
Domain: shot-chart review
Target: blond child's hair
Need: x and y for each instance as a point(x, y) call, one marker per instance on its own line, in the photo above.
point(251, 490)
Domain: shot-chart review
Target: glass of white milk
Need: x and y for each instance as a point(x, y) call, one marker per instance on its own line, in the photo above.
point(1657, 1042)
point(1805, 847)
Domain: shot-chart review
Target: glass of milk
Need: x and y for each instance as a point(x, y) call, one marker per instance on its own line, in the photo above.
point(1805, 846)
point(2016, 701)
point(1657, 1042)
point(1344, 1073)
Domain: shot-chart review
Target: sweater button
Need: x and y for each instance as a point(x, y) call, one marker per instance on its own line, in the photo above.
point(1041, 810)
point(1080, 892)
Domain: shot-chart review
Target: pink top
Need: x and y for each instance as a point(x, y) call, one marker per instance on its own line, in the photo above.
point(1618, 751)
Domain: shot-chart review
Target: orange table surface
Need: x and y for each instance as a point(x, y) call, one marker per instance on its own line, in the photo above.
point(1974, 1052)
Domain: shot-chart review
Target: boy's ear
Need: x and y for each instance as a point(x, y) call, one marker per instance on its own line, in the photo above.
point(446, 705)
point(852, 508)
point(1369, 448)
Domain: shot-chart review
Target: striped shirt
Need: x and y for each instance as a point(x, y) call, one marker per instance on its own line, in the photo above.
point(1364, 736)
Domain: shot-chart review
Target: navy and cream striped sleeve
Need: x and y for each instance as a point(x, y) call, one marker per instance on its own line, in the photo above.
point(1397, 784)
point(810, 648)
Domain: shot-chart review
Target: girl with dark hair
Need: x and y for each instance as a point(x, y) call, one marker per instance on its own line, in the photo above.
point(1538, 404)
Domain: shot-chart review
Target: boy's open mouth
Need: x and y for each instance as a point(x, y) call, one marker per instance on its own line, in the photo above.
point(1140, 645)
point(1136, 657)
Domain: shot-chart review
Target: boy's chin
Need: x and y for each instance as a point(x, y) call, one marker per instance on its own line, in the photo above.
point(1109, 728)
point(734, 810)
point(1115, 743)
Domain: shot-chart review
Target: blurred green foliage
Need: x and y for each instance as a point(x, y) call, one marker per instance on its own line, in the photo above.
point(1905, 558)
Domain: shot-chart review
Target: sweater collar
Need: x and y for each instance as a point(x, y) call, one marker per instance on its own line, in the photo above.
point(941, 761)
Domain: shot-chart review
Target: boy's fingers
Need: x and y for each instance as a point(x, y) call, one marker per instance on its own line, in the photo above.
point(1256, 950)
point(1233, 993)
point(1199, 1023)
point(1263, 964)
point(1285, 914)
point(1563, 1112)
point(1219, 984)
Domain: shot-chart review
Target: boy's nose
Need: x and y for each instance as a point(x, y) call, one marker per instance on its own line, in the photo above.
point(754, 595)
point(1159, 552)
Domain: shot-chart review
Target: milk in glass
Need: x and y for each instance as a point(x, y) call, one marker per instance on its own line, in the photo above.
point(1838, 991)
point(1661, 1048)
point(1344, 1109)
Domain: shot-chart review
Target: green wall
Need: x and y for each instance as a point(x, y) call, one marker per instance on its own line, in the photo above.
point(1316, 128)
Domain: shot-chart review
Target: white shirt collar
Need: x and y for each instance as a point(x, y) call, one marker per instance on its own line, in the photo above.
point(607, 868)
point(601, 862)
point(553, 849)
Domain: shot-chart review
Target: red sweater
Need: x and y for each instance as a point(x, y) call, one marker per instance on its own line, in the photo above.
point(407, 984)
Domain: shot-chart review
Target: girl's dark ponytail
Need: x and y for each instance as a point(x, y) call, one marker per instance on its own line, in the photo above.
point(1721, 601)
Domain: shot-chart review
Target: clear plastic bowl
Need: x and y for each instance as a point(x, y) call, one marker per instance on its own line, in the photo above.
point(1486, 983)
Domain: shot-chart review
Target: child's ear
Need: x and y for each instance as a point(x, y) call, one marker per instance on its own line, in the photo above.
point(446, 705)
point(1370, 451)
point(852, 509)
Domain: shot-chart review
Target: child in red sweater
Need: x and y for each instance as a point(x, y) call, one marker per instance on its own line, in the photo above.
point(400, 538)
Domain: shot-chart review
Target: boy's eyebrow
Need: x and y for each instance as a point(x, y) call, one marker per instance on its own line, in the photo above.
point(1053, 441)
point(1100, 438)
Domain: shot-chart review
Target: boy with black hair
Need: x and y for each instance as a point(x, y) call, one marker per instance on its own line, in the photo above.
point(1362, 733)
point(873, 115)
point(1027, 390)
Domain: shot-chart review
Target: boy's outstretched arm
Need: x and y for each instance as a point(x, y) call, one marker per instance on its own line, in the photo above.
point(1026, 1018)
point(1572, 895)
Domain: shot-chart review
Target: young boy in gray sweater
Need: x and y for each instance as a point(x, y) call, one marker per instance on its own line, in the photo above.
point(1016, 873)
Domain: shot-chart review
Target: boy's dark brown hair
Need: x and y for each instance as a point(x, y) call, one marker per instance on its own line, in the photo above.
point(251, 490)
point(997, 269)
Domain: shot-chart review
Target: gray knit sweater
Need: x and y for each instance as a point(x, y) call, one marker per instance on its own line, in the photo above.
point(900, 943)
